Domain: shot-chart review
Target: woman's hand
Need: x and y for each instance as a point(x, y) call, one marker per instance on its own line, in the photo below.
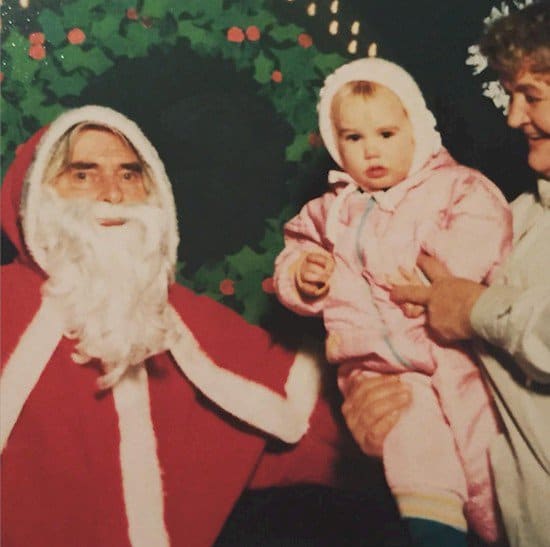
point(406, 278)
point(448, 300)
point(371, 409)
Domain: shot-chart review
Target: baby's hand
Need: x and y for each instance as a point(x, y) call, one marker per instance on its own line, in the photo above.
point(406, 277)
point(313, 274)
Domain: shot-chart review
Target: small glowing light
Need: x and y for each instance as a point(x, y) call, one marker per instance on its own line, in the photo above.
point(334, 6)
point(333, 27)
point(373, 50)
point(355, 28)
point(312, 9)
point(24, 3)
point(352, 47)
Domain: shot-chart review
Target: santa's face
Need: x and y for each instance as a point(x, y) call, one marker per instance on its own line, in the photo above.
point(104, 238)
point(102, 167)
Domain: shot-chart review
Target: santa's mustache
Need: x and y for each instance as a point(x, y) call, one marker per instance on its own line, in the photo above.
point(98, 221)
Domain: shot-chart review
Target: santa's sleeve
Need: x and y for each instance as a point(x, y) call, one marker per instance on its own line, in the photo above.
point(239, 367)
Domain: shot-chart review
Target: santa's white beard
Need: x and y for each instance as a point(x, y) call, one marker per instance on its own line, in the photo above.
point(110, 282)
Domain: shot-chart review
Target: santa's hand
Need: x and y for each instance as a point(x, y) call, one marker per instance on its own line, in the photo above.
point(313, 274)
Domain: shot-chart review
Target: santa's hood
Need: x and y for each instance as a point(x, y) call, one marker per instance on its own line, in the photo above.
point(380, 71)
point(22, 186)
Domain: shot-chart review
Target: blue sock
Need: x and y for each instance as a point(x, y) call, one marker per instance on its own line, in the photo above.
point(430, 533)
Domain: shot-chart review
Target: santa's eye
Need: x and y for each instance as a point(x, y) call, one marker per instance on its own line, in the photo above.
point(80, 175)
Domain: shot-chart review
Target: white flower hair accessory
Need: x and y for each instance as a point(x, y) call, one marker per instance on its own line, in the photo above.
point(493, 88)
point(398, 80)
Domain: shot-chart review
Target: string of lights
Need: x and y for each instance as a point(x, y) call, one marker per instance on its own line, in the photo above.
point(350, 31)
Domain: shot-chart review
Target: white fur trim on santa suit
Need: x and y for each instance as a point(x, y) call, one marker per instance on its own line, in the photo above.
point(140, 467)
point(26, 364)
point(380, 71)
point(286, 418)
point(32, 190)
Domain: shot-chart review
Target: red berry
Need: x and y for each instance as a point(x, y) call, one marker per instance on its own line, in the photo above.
point(277, 76)
point(235, 34)
point(253, 33)
point(76, 36)
point(305, 40)
point(227, 288)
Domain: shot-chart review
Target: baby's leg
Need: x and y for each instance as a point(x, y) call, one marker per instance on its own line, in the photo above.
point(423, 469)
point(468, 409)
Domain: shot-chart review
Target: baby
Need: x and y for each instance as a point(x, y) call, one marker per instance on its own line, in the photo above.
point(400, 193)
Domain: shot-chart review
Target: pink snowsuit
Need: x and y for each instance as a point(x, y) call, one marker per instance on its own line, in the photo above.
point(438, 451)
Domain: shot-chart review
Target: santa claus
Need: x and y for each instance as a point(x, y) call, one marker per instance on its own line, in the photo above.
point(133, 412)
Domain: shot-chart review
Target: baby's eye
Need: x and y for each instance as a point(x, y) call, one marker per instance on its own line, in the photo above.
point(353, 137)
point(387, 134)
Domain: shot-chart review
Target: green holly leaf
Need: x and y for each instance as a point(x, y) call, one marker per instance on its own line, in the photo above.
point(328, 62)
point(52, 27)
point(199, 37)
point(32, 102)
point(158, 8)
point(12, 133)
point(207, 278)
point(243, 261)
point(73, 57)
point(22, 68)
point(273, 237)
point(106, 29)
point(64, 86)
point(263, 19)
point(140, 40)
point(296, 64)
point(76, 14)
point(117, 46)
point(263, 67)
point(233, 16)
point(209, 10)
point(286, 32)
point(298, 148)
point(255, 302)
point(46, 114)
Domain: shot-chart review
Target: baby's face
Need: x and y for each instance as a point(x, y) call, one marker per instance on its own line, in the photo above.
point(375, 139)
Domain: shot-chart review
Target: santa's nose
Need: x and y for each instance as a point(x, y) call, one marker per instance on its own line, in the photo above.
point(111, 191)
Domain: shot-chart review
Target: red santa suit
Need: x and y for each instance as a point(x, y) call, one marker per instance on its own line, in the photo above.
point(162, 457)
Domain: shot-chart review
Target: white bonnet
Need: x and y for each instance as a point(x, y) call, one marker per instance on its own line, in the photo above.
point(380, 71)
